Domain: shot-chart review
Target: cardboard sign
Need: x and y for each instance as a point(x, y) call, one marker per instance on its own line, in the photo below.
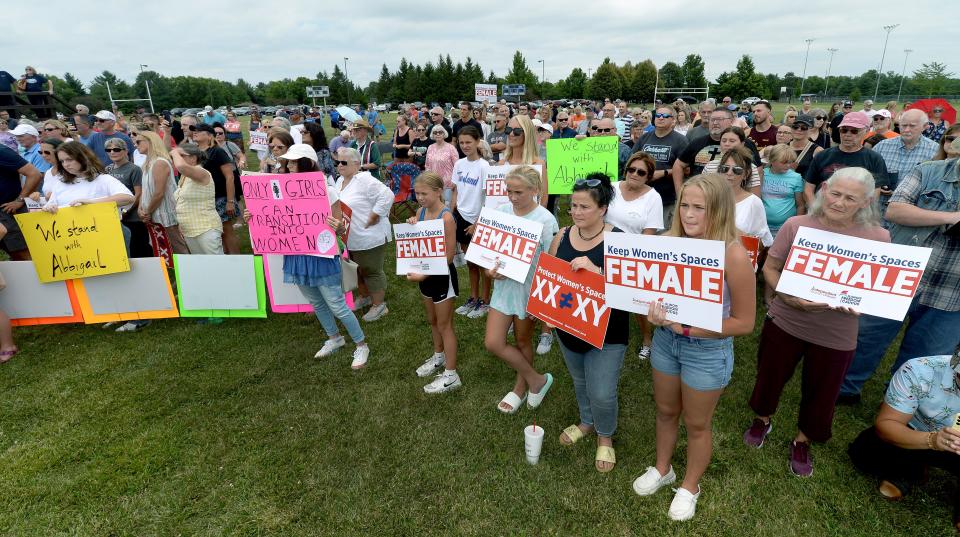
point(495, 184)
point(220, 285)
point(686, 275)
point(421, 248)
point(289, 214)
point(144, 292)
point(286, 297)
point(258, 141)
point(28, 302)
point(752, 245)
point(485, 92)
point(876, 278)
point(76, 242)
point(506, 241)
point(572, 301)
point(570, 159)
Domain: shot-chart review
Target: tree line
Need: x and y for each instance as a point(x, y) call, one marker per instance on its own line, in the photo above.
point(443, 81)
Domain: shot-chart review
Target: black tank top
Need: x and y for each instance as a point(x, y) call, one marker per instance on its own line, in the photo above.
point(402, 140)
point(618, 331)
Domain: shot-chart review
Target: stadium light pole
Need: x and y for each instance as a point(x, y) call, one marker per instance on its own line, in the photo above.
point(832, 51)
point(889, 29)
point(803, 78)
point(347, 75)
point(906, 54)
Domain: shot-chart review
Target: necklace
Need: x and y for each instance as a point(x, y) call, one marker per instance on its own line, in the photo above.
point(588, 239)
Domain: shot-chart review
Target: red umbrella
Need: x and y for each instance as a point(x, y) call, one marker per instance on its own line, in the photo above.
point(927, 105)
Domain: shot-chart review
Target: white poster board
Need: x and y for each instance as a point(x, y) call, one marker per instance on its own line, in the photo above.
point(686, 275)
point(258, 141)
point(504, 240)
point(217, 282)
point(421, 248)
point(26, 298)
point(876, 278)
point(485, 93)
point(495, 184)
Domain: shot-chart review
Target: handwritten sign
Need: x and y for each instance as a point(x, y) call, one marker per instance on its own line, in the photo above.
point(876, 278)
point(686, 275)
point(570, 159)
point(258, 141)
point(485, 92)
point(421, 248)
point(289, 214)
point(506, 241)
point(495, 184)
point(572, 301)
point(76, 242)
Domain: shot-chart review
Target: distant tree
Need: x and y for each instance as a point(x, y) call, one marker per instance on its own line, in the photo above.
point(693, 72)
point(931, 78)
point(605, 81)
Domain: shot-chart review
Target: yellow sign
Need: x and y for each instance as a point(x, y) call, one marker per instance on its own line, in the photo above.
point(77, 242)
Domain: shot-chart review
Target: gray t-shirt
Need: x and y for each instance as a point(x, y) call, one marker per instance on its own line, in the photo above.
point(696, 132)
point(496, 138)
point(130, 175)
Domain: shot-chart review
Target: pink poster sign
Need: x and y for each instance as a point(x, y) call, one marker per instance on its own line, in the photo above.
point(289, 214)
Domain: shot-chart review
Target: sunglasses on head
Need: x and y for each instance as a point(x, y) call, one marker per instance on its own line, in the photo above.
point(849, 130)
point(516, 131)
point(639, 172)
point(591, 183)
point(114, 150)
point(724, 168)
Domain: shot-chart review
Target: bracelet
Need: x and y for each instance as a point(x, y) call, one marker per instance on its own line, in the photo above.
point(931, 443)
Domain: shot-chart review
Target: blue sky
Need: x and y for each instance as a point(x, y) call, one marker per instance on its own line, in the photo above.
point(260, 41)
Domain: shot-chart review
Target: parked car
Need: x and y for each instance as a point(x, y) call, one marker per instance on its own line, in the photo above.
point(191, 111)
point(751, 100)
point(176, 111)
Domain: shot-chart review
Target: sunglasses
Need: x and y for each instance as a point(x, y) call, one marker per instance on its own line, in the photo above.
point(821, 118)
point(937, 110)
point(516, 131)
point(191, 128)
point(278, 147)
point(47, 152)
point(848, 106)
point(639, 172)
point(663, 116)
point(724, 168)
point(435, 114)
point(49, 129)
point(605, 131)
point(849, 130)
point(115, 150)
point(801, 128)
point(589, 182)
point(341, 162)
point(950, 139)
point(102, 120)
point(219, 133)
point(878, 118)
point(561, 119)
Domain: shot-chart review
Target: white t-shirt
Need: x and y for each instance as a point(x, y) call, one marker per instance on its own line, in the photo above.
point(752, 219)
point(63, 194)
point(468, 176)
point(138, 157)
point(296, 132)
point(645, 212)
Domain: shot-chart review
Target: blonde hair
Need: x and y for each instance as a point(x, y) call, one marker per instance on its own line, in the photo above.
point(530, 153)
point(720, 216)
point(155, 151)
point(429, 179)
point(527, 174)
point(59, 125)
point(781, 153)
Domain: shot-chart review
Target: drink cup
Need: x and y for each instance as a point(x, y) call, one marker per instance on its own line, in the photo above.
point(532, 443)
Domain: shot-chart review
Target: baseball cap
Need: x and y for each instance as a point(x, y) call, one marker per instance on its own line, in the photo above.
point(733, 107)
point(299, 151)
point(847, 104)
point(882, 112)
point(541, 125)
point(806, 119)
point(106, 114)
point(203, 127)
point(23, 128)
point(868, 102)
point(208, 108)
point(856, 119)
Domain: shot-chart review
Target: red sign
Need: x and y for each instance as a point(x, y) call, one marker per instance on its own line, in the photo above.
point(504, 242)
point(853, 272)
point(670, 278)
point(571, 301)
point(347, 216)
point(752, 244)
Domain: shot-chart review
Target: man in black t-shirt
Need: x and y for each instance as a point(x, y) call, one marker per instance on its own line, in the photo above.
point(12, 166)
point(702, 150)
point(850, 153)
point(221, 168)
point(665, 145)
point(835, 122)
point(466, 111)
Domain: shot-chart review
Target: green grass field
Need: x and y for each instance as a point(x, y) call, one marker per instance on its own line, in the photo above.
point(187, 429)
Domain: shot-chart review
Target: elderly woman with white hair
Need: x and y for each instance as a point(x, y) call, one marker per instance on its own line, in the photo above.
point(823, 336)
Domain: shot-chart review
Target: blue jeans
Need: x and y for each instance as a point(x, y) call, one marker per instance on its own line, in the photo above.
point(704, 364)
point(596, 374)
point(930, 332)
point(329, 304)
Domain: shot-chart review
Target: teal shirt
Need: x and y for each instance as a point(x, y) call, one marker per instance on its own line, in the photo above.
point(778, 195)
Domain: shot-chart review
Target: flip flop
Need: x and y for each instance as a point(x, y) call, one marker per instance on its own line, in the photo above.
point(5, 356)
point(534, 399)
point(574, 434)
point(606, 454)
point(512, 399)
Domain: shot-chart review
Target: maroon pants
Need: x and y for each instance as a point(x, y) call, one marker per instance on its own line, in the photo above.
point(823, 371)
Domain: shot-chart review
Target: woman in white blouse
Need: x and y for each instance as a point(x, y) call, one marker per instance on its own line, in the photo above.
point(367, 202)
point(736, 166)
point(82, 181)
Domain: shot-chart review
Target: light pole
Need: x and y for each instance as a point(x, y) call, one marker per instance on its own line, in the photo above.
point(803, 78)
point(889, 29)
point(543, 70)
point(832, 51)
point(142, 65)
point(347, 75)
point(906, 54)
point(589, 72)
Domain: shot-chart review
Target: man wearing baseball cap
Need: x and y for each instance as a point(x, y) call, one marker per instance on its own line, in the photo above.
point(850, 153)
point(107, 123)
point(868, 108)
point(881, 124)
point(847, 107)
point(28, 139)
point(211, 116)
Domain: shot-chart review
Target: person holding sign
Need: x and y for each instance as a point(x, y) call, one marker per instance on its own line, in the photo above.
point(824, 337)
point(508, 304)
point(82, 181)
point(196, 202)
point(692, 366)
point(595, 372)
point(466, 200)
point(637, 208)
point(439, 292)
point(751, 218)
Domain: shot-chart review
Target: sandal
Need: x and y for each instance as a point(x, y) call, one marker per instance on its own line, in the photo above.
point(512, 399)
point(605, 454)
point(534, 400)
point(574, 434)
point(5, 356)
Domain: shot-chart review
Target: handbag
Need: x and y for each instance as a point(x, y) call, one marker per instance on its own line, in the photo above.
point(348, 274)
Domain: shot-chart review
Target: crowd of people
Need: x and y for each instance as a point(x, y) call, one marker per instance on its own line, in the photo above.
point(717, 172)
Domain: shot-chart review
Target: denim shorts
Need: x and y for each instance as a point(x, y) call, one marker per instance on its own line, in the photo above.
point(704, 364)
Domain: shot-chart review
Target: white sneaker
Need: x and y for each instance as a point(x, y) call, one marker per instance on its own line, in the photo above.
point(684, 504)
point(360, 357)
point(132, 326)
point(466, 307)
point(444, 382)
point(376, 312)
point(544, 344)
point(479, 310)
point(651, 481)
point(431, 365)
point(111, 324)
point(361, 303)
point(329, 347)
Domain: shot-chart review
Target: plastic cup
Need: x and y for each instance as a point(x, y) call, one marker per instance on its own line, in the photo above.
point(532, 443)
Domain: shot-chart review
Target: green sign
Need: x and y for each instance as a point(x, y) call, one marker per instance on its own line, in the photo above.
point(569, 159)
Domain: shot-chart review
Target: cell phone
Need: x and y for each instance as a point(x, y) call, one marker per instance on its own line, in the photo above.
point(953, 231)
point(956, 422)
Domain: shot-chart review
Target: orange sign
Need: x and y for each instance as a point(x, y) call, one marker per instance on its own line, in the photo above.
point(752, 244)
point(572, 301)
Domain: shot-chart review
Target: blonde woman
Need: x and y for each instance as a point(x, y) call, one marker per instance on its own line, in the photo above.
point(158, 202)
point(53, 128)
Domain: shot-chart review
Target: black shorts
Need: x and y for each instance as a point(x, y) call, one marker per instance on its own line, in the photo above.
point(13, 241)
point(441, 287)
point(462, 225)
